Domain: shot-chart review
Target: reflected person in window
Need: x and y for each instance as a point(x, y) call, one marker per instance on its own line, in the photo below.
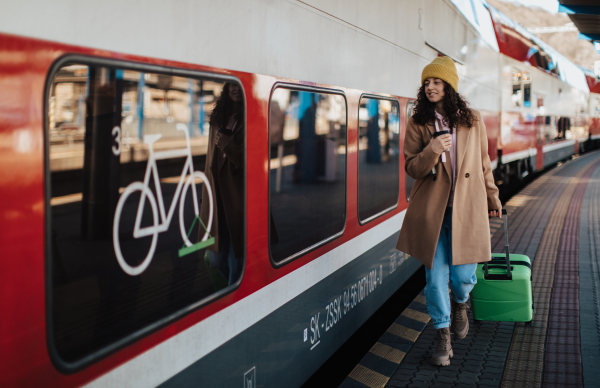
point(225, 170)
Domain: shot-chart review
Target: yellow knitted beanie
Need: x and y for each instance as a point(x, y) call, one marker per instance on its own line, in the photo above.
point(442, 68)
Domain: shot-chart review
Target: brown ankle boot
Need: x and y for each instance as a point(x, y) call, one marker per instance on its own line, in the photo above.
point(443, 351)
point(460, 321)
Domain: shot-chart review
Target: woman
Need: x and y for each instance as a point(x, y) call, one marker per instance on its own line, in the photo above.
point(446, 226)
point(225, 170)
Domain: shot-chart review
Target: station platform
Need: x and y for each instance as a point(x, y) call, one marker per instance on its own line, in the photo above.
point(555, 220)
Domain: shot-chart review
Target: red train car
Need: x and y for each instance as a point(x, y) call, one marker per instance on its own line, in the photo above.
point(543, 102)
point(107, 276)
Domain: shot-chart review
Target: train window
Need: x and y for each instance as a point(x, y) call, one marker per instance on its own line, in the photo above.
point(307, 182)
point(527, 95)
point(409, 181)
point(595, 107)
point(134, 201)
point(549, 129)
point(563, 124)
point(517, 93)
point(526, 90)
point(378, 157)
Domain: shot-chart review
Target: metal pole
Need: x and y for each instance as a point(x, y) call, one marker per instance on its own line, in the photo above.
point(140, 105)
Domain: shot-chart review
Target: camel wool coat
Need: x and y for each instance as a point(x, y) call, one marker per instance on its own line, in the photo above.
point(227, 181)
point(475, 193)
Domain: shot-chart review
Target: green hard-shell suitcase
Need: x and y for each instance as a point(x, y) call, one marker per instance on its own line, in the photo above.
point(501, 294)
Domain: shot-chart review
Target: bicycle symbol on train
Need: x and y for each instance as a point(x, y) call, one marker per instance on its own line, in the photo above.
point(162, 224)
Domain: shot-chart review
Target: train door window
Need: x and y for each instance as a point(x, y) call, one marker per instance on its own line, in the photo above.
point(517, 94)
point(526, 90)
point(378, 157)
point(563, 124)
point(550, 129)
point(595, 107)
point(307, 181)
point(409, 181)
point(134, 201)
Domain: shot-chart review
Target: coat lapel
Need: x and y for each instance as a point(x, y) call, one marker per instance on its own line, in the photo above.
point(223, 157)
point(431, 127)
point(462, 139)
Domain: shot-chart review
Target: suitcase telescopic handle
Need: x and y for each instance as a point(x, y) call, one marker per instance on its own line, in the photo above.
point(506, 248)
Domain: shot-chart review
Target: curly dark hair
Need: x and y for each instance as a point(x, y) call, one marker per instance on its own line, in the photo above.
point(223, 108)
point(455, 106)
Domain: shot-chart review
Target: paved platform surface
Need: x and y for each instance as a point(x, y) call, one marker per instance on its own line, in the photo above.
point(555, 220)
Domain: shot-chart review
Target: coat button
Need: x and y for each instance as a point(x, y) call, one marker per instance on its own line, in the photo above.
point(434, 177)
point(466, 175)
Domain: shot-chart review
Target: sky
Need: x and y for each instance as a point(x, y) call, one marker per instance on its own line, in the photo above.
point(548, 5)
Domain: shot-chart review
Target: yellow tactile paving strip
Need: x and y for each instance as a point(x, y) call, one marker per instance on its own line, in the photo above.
point(377, 366)
point(387, 352)
point(404, 332)
point(524, 365)
point(368, 377)
point(417, 316)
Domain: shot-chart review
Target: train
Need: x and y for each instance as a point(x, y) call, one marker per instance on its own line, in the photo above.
point(106, 118)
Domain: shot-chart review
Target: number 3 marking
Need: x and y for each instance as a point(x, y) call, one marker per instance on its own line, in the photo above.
point(117, 149)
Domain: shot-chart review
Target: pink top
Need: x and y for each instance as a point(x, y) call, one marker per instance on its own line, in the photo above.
point(452, 152)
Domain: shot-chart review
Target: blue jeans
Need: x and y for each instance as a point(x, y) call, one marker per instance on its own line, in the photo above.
point(462, 278)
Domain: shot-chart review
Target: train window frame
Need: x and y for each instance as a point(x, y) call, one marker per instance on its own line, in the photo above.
point(307, 250)
point(70, 367)
point(409, 106)
point(395, 206)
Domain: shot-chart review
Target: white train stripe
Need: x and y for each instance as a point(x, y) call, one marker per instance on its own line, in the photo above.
point(494, 164)
point(518, 155)
point(595, 137)
point(177, 353)
point(555, 146)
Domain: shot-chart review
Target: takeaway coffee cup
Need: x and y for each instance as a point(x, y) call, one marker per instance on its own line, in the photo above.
point(440, 133)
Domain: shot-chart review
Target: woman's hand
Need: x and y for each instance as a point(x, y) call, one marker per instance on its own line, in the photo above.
point(222, 140)
point(441, 143)
point(496, 213)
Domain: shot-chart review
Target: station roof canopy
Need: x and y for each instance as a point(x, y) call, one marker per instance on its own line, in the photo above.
point(585, 14)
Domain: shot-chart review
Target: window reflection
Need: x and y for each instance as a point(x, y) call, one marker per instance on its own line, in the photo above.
point(133, 233)
point(149, 104)
point(307, 170)
point(378, 156)
point(225, 169)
